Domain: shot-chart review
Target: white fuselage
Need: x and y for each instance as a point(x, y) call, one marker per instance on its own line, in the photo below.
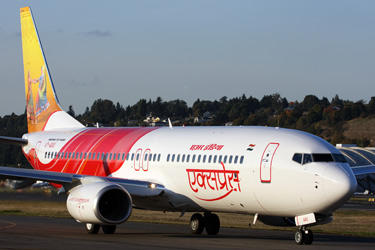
point(240, 169)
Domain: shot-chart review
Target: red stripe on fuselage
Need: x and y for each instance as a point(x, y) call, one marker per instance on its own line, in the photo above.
point(98, 141)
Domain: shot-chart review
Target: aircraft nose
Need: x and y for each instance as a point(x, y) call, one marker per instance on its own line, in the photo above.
point(340, 184)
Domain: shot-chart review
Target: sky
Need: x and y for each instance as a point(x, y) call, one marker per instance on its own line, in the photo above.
point(207, 49)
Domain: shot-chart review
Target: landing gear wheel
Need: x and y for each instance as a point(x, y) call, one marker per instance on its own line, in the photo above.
point(197, 223)
point(309, 237)
point(304, 236)
point(212, 224)
point(92, 228)
point(109, 229)
point(299, 237)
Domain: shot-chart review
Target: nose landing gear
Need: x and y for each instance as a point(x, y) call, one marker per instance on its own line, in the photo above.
point(209, 221)
point(303, 236)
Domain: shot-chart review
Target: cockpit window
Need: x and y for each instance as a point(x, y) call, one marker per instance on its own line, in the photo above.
point(307, 158)
point(322, 157)
point(297, 158)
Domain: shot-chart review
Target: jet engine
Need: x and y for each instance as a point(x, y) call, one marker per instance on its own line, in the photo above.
point(99, 203)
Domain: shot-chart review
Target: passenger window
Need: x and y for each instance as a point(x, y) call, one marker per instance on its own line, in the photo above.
point(70, 154)
point(215, 157)
point(178, 158)
point(159, 157)
point(209, 158)
point(187, 158)
point(80, 156)
point(150, 157)
point(230, 159)
point(307, 158)
point(183, 158)
point(235, 159)
point(168, 157)
point(297, 158)
point(154, 157)
point(193, 159)
point(127, 156)
point(225, 159)
point(204, 159)
point(241, 159)
point(173, 158)
point(199, 158)
point(220, 158)
point(73, 154)
point(132, 156)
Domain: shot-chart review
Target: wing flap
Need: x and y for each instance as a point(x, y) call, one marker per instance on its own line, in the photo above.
point(37, 175)
point(134, 187)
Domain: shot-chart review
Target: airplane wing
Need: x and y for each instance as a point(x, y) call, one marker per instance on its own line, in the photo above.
point(365, 178)
point(134, 187)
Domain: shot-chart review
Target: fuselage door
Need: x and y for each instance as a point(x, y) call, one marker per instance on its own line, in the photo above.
point(266, 162)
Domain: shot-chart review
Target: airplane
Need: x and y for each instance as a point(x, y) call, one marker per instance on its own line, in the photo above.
point(283, 177)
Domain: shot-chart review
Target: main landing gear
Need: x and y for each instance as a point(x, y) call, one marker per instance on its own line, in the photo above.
point(303, 236)
point(94, 228)
point(209, 221)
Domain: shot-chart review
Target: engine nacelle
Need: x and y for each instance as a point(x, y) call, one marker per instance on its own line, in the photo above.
point(99, 203)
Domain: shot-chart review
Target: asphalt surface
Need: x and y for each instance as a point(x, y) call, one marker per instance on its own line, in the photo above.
point(27, 232)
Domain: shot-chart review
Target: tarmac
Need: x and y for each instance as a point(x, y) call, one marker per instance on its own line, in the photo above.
point(29, 232)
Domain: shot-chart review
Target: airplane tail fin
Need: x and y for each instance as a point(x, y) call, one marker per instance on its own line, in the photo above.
point(42, 105)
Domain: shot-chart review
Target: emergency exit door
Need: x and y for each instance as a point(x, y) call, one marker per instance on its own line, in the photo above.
point(266, 162)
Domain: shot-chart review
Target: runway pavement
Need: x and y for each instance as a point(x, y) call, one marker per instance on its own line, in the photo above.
point(26, 232)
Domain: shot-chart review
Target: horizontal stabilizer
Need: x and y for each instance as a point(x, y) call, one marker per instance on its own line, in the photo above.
point(13, 140)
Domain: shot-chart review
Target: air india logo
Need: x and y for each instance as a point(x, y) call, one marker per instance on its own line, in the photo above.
point(213, 184)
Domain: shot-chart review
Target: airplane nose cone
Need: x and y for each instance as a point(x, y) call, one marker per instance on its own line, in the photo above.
point(340, 185)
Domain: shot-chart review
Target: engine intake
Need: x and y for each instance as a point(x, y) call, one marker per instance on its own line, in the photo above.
point(99, 203)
